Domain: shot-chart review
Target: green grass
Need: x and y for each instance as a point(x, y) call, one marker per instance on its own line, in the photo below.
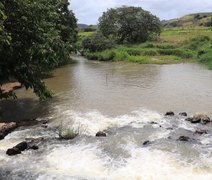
point(176, 45)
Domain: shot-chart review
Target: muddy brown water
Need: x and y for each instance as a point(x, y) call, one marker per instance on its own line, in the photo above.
point(122, 99)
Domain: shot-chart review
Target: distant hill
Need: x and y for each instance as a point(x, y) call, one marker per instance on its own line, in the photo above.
point(82, 25)
point(191, 20)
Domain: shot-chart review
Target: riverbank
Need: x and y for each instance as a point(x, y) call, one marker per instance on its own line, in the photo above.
point(176, 45)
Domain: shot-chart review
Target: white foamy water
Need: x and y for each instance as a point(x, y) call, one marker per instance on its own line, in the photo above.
point(91, 122)
point(121, 155)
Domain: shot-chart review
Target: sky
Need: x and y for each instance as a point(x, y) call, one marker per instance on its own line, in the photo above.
point(88, 11)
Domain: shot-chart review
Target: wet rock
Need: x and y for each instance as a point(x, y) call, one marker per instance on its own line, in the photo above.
point(183, 138)
point(170, 128)
point(33, 147)
point(6, 128)
point(200, 131)
point(189, 119)
point(146, 143)
point(13, 151)
point(22, 146)
point(28, 122)
point(2, 136)
point(9, 87)
point(169, 113)
point(153, 122)
point(200, 118)
point(101, 134)
point(44, 126)
point(183, 114)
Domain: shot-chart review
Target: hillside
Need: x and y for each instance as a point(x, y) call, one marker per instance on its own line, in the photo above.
point(191, 20)
point(82, 25)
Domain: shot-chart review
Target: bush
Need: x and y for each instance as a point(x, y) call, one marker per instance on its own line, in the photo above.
point(97, 42)
point(183, 53)
point(197, 42)
point(106, 55)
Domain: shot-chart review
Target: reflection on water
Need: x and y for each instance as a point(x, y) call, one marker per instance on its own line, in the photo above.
point(119, 88)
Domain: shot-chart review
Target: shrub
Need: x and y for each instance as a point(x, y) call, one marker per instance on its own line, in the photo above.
point(106, 55)
point(97, 42)
point(197, 42)
point(183, 53)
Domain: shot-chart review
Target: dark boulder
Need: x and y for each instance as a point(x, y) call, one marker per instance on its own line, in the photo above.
point(153, 122)
point(169, 113)
point(22, 146)
point(146, 143)
point(13, 151)
point(183, 114)
point(6, 128)
point(101, 134)
point(183, 138)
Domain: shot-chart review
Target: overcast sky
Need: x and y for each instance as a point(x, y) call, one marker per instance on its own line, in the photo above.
point(88, 11)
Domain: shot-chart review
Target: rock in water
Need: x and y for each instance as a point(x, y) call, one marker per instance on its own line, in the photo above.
point(33, 147)
point(6, 128)
point(146, 143)
point(170, 113)
point(101, 134)
point(183, 138)
point(200, 118)
point(189, 119)
point(22, 146)
point(13, 151)
point(200, 131)
point(183, 114)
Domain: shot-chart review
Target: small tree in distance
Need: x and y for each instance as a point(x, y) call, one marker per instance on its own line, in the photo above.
point(129, 24)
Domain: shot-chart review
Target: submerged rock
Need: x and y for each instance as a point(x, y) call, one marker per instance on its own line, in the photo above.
point(101, 134)
point(200, 131)
point(183, 114)
point(200, 118)
point(183, 138)
point(13, 151)
point(169, 113)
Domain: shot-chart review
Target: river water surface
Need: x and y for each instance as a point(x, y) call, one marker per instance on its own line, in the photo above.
point(124, 99)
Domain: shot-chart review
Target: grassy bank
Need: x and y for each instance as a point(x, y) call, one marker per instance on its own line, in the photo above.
point(176, 45)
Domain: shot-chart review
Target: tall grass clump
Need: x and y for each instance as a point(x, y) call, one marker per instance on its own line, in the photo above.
point(67, 132)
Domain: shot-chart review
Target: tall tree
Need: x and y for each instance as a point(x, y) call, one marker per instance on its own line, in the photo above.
point(42, 36)
point(129, 24)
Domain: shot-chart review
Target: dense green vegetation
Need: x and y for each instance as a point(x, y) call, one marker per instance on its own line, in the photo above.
point(129, 25)
point(35, 37)
point(176, 45)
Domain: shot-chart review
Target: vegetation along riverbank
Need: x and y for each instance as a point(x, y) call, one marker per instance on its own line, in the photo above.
point(165, 45)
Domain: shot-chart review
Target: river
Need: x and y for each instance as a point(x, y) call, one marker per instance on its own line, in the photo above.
point(123, 99)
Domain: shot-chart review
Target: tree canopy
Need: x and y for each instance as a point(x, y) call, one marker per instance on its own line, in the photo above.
point(129, 24)
point(35, 37)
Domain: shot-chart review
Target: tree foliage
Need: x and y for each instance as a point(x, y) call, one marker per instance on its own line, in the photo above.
point(97, 42)
point(129, 24)
point(35, 37)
